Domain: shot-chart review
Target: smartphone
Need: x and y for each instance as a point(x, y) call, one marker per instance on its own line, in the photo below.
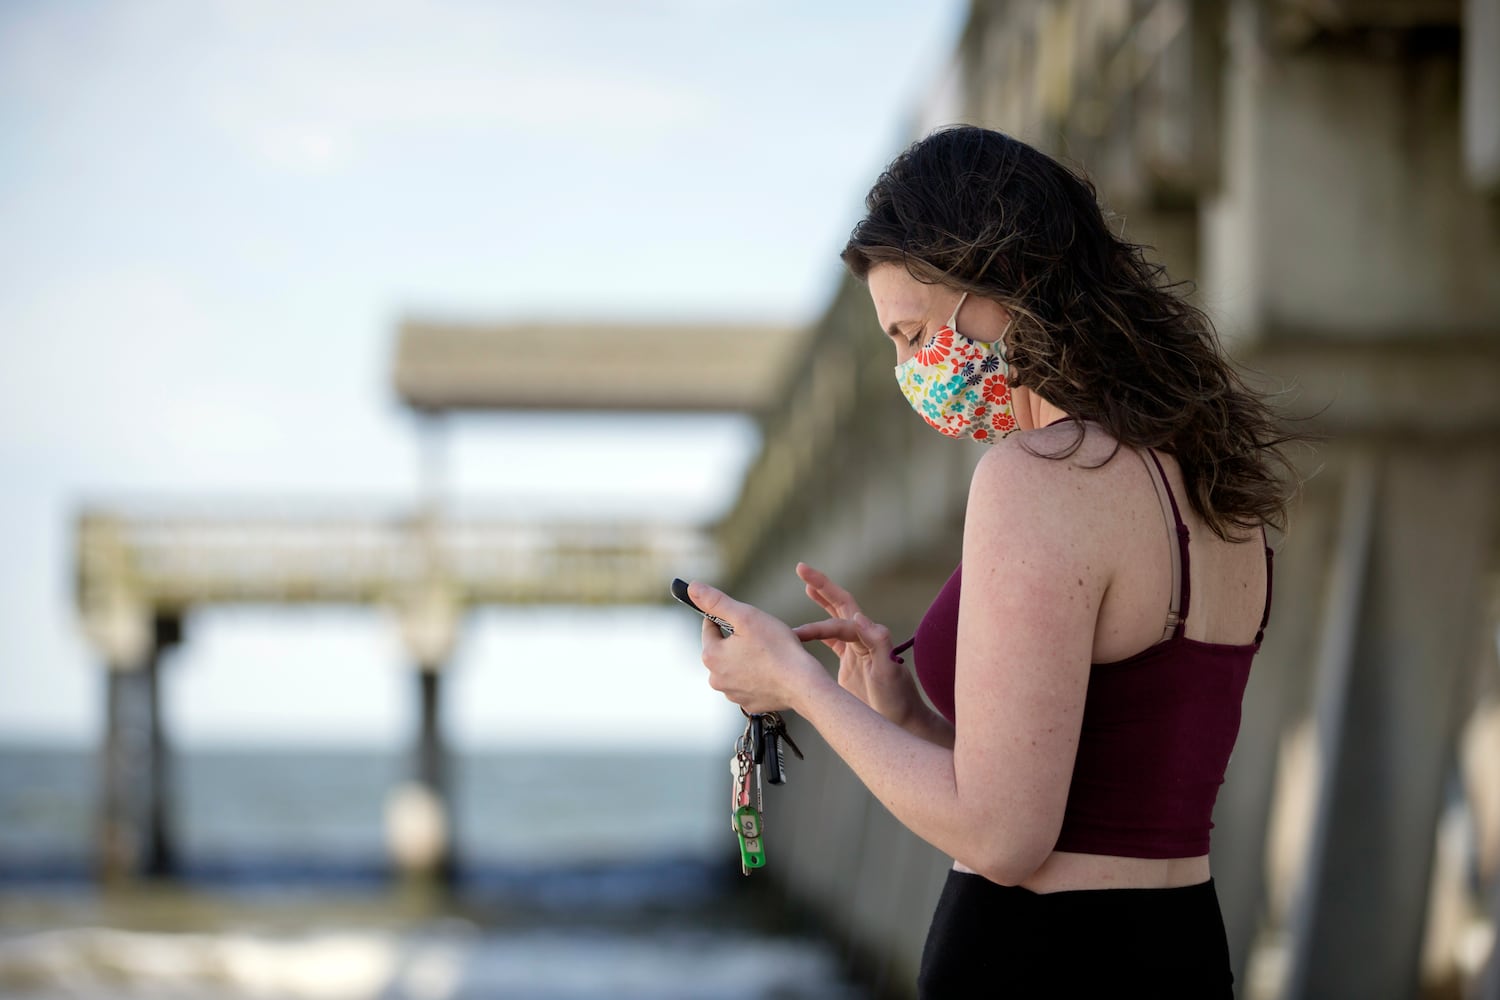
point(679, 591)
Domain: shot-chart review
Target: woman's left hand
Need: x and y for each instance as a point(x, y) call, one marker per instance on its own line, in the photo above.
point(762, 667)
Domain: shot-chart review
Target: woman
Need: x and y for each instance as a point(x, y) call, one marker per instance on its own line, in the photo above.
point(1087, 658)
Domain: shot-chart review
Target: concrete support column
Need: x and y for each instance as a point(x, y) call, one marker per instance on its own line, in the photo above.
point(432, 768)
point(1398, 650)
point(122, 758)
point(419, 824)
point(1481, 93)
point(1340, 146)
point(1276, 696)
point(418, 816)
point(1489, 983)
point(161, 852)
point(431, 754)
point(135, 827)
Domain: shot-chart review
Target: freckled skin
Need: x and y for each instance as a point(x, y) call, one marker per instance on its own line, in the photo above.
point(992, 791)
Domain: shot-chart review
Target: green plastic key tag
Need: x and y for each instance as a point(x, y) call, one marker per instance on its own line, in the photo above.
point(752, 850)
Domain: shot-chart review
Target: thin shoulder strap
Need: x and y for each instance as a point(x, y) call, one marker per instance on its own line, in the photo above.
point(1265, 616)
point(1181, 579)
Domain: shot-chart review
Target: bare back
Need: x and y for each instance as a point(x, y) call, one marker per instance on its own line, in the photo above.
point(1136, 555)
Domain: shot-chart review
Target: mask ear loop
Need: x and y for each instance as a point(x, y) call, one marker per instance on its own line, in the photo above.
point(954, 318)
point(999, 348)
point(998, 342)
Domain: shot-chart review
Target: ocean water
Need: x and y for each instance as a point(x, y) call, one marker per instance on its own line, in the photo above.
point(581, 875)
point(328, 806)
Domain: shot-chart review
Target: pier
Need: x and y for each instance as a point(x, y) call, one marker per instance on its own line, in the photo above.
point(141, 572)
point(1328, 175)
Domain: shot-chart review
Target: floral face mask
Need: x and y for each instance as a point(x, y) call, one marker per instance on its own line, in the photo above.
point(958, 385)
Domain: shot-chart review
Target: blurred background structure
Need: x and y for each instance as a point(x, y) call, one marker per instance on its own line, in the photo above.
point(1327, 172)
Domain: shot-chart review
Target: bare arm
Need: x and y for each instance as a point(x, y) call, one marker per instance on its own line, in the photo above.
point(1032, 587)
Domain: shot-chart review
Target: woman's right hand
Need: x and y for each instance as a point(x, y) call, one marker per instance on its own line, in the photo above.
point(866, 668)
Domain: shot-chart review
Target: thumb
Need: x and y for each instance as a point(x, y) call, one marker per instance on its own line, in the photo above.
point(713, 601)
point(872, 633)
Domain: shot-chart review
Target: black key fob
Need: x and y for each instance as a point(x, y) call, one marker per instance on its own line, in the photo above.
point(775, 766)
point(758, 734)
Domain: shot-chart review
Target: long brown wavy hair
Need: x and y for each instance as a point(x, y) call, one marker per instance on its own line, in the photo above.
point(1099, 330)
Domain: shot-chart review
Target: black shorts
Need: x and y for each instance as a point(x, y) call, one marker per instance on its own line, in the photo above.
point(990, 940)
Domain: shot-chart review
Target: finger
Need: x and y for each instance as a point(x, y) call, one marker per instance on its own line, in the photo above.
point(822, 602)
point(832, 628)
point(874, 635)
point(825, 602)
point(843, 602)
point(817, 580)
point(807, 574)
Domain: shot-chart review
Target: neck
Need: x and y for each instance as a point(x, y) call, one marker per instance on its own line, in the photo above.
point(1046, 414)
point(1032, 411)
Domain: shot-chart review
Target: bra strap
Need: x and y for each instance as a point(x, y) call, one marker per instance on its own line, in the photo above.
point(1181, 576)
point(1265, 616)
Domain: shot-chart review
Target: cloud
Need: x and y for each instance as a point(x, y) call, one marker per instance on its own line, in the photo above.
point(92, 341)
point(307, 88)
point(133, 372)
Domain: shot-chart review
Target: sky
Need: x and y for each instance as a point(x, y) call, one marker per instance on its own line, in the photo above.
point(213, 215)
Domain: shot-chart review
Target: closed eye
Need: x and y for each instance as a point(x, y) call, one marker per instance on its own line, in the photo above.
point(912, 339)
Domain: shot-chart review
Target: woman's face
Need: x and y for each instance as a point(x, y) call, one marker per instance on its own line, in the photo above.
point(910, 311)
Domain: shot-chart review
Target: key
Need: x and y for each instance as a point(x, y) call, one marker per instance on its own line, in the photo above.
point(756, 730)
point(745, 818)
point(759, 792)
point(775, 760)
point(752, 849)
point(774, 734)
point(739, 773)
point(734, 786)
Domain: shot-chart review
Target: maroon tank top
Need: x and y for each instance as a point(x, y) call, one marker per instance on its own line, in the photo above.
point(1157, 727)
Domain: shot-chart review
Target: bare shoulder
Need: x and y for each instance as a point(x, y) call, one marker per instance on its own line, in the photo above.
point(1049, 475)
point(1050, 521)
